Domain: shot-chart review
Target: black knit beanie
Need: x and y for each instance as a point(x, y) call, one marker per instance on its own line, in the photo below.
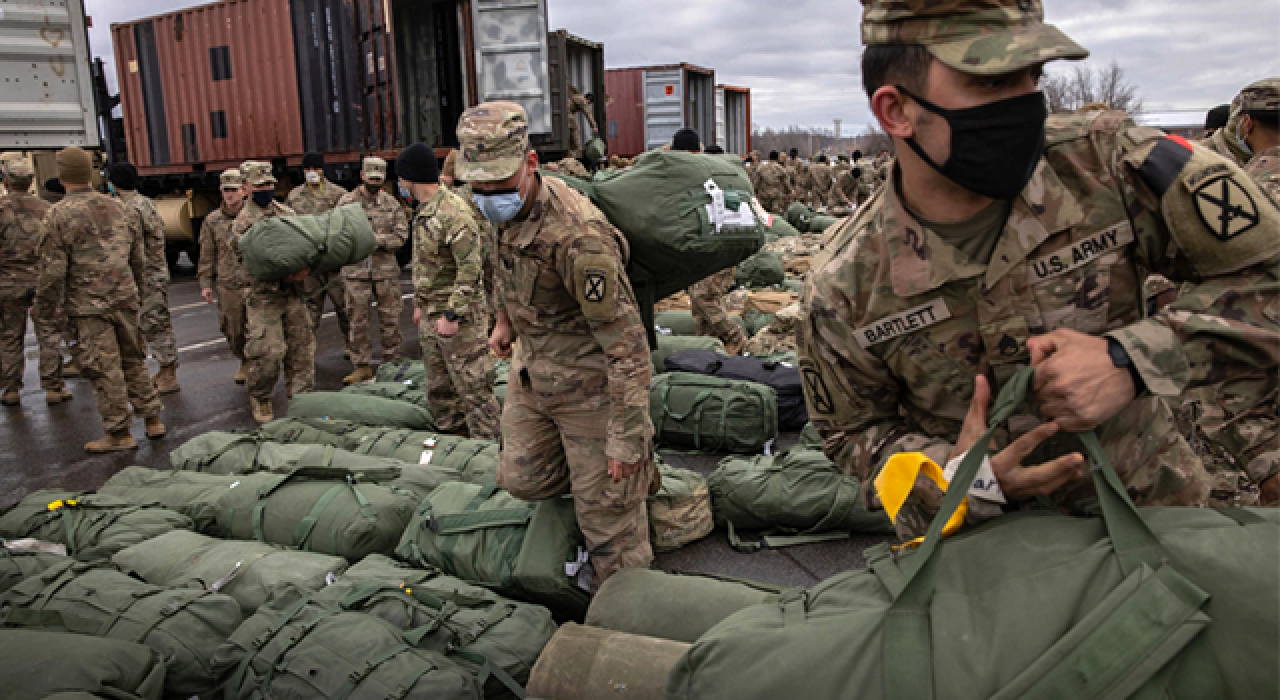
point(686, 139)
point(313, 161)
point(417, 163)
point(124, 176)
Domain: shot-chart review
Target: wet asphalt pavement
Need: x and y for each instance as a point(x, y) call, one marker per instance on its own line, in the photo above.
point(43, 446)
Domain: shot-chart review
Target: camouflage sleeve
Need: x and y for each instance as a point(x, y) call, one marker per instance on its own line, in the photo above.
point(493, 282)
point(592, 267)
point(153, 230)
point(398, 232)
point(421, 226)
point(208, 252)
point(294, 197)
point(139, 260)
point(467, 244)
point(51, 286)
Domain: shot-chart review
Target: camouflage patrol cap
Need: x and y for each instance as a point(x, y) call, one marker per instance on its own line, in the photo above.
point(257, 173)
point(19, 169)
point(493, 139)
point(231, 179)
point(374, 168)
point(980, 37)
point(1262, 96)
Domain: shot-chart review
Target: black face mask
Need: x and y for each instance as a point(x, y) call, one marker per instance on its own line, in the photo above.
point(263, 198)
point(372, 188)
point(994, 147)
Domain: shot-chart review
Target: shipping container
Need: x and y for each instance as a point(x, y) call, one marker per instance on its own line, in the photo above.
point(206, 88)
point(733, 119)
point(647, 106)
point(47, 101)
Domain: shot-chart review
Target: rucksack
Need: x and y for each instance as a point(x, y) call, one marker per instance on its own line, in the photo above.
point(278, 246)
point(39, 664)
point(246, 571)
point(783, 378)
point(710, 414)
point(398, 391)
point(20, 562)
point(680, 512)
point(367, 410)
point(668, 344)
point(185, 625)
point(764, 269)
point(806, 220)
point(193, 494)
point(92, 526)
point(679, 606)
point(234, 453)
point(676, 323)
point(410, 373)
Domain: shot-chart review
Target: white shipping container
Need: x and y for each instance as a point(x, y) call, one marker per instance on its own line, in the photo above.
point(47, 95)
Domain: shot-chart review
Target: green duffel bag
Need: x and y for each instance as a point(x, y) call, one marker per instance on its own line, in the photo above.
point(92, 526)
point(709, 414)
point(293, 647)
point(526, 550)
point(366, 410)
point(810, 437)
point(680, 512)
point(22, 559)
point(796, 497)
point(246, 571)
point(671, 344)
point(764, 269)
point(679, 606)
point(316, 510)
point(193, 494)
point(410, 373)
point(397, 391)
point(36, 664)
point(473, 625)
point(185, 625)
point(780, 228)
point(501, 375)
point(807, 220)
point(278, 246)
point(674, 323)
point(1140, 602)
point(236, 453)
point(755, 321)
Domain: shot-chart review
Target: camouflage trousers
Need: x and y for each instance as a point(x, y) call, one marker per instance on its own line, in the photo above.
point(460, 378)
point(232, 317)
point(360, 297)
point(706, 298)
point(13, 333)
point(157, 327)
point(554, 444)
point(49, 333)
point(112, 355)
point(279, 331)
point(315, 289)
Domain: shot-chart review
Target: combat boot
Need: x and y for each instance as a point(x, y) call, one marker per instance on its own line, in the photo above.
point(166, 380)
point(54, 397)
point(362, 374)
point(242, 374)
point(262, 410)
point(118, 441)
point(11, 397)
point(155, 429)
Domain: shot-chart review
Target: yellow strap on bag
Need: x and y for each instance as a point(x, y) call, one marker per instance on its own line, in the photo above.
point(61, 504)
point(898, 478)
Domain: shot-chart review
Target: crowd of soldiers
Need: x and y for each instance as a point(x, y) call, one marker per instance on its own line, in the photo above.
point(958, 263)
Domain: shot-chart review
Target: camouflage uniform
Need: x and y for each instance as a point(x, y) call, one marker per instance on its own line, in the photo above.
point(449, 249)
point(20, 217)
point(706, 299)
point(377, 277)
point(898, 322)
point(821, 181)
point(1265, 170)
point(222, 270)
point(91, 253)
point(578, 104)
point(773, 187)
point(779, 335)
point(579, 390)
point(801, 187)
point(305, 199)
point(154, 320)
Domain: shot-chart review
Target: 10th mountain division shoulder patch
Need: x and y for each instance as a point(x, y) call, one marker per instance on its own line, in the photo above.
point(594, 284)
point(1225, 207)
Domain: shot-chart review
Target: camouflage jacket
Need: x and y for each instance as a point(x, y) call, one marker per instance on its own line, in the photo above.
point(248, 216)
point(846, 189)
point(798, 170)
point(449, 250)
point(1265, 170)
point(390, 227)
point(898, 323)
point(219, 259)
point(20, 217)
point(91, 254)
point(152, 227)
point(1224, 143)
point(821, 179)
point(774, 181)
point(559, 275)
point(305, 199)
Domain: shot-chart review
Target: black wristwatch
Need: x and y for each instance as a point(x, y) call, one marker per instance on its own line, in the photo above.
point(1120, 358)
point(451, 316)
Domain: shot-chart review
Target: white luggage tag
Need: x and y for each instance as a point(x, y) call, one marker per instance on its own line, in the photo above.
point(985, 485)
point(720, 215)
point(427, 454)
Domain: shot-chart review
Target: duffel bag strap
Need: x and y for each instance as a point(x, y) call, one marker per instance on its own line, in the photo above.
point(488, 668)
point(777, 539)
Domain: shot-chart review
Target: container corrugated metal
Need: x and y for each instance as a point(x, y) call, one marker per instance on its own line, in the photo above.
point(511, 58)
point(329, 87)
point(47, 101)
point(733, 119)
point(648, 105)
point(578, 62)
point(624, 126)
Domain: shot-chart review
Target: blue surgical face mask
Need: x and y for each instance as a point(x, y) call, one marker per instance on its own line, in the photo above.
point(112, 189)
point(405, 194)
point(501, 206)
point(1244, 143)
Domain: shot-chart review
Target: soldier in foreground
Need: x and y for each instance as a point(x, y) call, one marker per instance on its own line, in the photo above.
point(1259, 130)
point(576, 418)
point(378, 276)
point(278, 323)
point(316, 196)
point(221, 268)
point(154, 321)
point(91, 253)
point(449, 248)
point(974, 261)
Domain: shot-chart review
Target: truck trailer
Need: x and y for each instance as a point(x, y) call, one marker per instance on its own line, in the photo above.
point(647, 106)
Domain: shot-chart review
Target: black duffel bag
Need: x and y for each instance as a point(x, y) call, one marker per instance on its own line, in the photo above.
point(784, 378)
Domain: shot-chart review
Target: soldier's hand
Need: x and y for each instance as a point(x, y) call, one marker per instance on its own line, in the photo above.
point(501, 338)
point(207, 294)
point(1270, 490)
point(417, 316)
point(620, 471)
point(1018, 482)
point(446, 328)
point(1076, 383)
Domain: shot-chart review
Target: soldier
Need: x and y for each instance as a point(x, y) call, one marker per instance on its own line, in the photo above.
point(847, 190)
point(20, 217)
point(1227, 141)
point(449, 248)
point(706, 300)
point(316, 196)
point(773, 186)
point(962, 270)
point(821, 180)
point(1259, 131)
point(91, 254)
point(687, 140)
point(378, 276)
point(576, 418)
point(278, 324)
point(579, 104)
point(1215, 119)
point(799, 172)
point(220, 264)
point(154, 321)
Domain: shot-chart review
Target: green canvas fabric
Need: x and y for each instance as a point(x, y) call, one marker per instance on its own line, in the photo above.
point(789, 496)
point(669, 344)
point(37, 664)
point(810, 437)
point(754, 321)
point(316, 510)
point(246, 571)
point(780, 228)
point(293, 647)
point(92, 526)
point(675, 323)
point(398, 391)
point(490, 538)
point(679, 606)
point(185, 625)
point(367, 410)
point(1151, 602)
point(680, 512)
point(764, 269)
point(236, 453)
point(193, 494)
point(806, 220)
point(710, 414)
point(278, 246)
point(17, 565)
point(410, 373)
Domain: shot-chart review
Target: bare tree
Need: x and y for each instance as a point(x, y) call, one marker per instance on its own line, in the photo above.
point(1084, 84)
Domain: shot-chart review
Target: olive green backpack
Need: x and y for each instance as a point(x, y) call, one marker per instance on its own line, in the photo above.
point(709, 414)
point(764, 269)
point(237, 453)
point(92, 526)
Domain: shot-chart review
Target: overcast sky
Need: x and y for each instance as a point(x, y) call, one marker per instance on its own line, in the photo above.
point(800, 57)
